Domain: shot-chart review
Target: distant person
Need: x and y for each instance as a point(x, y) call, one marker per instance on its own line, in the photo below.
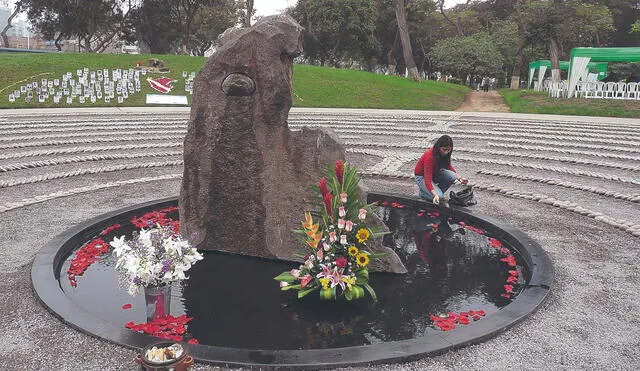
point(485, 84)
point(478, 82)
point(434, 173)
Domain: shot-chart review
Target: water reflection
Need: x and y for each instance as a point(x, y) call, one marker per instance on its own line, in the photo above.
point(235, 302)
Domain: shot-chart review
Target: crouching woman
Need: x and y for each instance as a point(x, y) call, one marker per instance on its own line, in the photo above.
point(434, 173)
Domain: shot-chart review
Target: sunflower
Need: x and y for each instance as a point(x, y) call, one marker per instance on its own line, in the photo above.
point(363, 235)
point(353, 251)
point(362, 259)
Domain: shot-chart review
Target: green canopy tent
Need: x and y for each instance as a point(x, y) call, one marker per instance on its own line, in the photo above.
point(542, 65)
point(581, 57)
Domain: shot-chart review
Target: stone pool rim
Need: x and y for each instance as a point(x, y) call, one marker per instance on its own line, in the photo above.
point(45, 275)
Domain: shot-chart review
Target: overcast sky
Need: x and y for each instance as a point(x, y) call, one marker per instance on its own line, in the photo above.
point(269, 7)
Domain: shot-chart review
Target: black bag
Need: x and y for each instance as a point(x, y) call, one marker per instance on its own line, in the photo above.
point(462, 198)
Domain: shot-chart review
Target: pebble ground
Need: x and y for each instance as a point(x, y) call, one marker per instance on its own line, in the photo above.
point(571, 183)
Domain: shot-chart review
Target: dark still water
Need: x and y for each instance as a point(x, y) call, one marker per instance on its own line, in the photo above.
point(235, 302)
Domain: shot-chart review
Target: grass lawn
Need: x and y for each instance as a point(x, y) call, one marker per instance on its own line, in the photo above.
point(312, 86)
point(529, 101)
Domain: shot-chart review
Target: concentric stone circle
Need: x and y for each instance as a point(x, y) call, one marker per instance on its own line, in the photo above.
point(572, 160)
point(605, 212)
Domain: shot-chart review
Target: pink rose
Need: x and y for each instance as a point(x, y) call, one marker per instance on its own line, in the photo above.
point(348, 226)
point(362, 214)
point(333, 237)
point(342, 212)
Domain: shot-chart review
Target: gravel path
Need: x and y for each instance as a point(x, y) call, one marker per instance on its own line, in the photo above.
point(480, 101)
point(571, 183)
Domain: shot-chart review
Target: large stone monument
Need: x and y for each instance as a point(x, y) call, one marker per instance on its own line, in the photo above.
point(246, 175)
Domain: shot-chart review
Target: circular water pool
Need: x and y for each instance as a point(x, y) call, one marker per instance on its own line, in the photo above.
point(459, 263)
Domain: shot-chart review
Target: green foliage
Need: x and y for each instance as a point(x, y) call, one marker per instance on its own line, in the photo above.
point(212, 20)
point(154, 26)
point(336, 30)
point(94, 22)
point(635, 27)
point(468, 55)
point(592, 25)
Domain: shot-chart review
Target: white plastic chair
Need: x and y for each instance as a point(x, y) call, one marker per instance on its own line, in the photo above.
point(599, 93)
point(621, 90)
point(581, 89)
point(557, 89)
point(589, 89)
point(610, 89)
point(632, 90)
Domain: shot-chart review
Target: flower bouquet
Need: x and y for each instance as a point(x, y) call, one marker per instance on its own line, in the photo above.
point(337, 258)
point(153, 257)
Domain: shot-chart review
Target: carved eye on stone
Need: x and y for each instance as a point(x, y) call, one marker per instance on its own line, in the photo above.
point(238, 84)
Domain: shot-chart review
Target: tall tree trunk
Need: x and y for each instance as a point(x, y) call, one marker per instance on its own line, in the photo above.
point(519, 61)
point(391, 56)
point(517, 68)
point(555, 60)
point(58, 45)
point(185, 38)
point(5, 39)
point(401, 19)
point(249, 14)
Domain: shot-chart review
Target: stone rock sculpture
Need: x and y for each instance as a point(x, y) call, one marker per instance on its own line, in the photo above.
point(246, 175)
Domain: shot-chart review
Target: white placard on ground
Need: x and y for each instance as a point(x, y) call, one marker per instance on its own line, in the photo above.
point(167, 99)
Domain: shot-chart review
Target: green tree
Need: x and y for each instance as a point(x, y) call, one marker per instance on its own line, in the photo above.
point(93, 22)
point(592, 25)
point(336, 30)
point(151, 24)
point(624, 13)
point(463, 56)
point(212, 20)
point(635, 27)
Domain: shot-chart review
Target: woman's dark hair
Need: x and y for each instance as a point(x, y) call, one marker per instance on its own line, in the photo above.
point(443, 141)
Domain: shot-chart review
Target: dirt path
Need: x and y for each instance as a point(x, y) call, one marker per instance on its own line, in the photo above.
point(479, 101)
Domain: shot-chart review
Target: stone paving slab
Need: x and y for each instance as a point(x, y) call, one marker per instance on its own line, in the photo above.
point(573, 209)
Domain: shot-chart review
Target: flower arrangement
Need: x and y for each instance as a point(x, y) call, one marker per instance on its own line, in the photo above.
point(153, 257)
point(337, 260)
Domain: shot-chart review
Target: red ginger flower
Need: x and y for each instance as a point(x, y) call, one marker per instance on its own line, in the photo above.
point(339, 171)
point(323, 187)
point(327, 203)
